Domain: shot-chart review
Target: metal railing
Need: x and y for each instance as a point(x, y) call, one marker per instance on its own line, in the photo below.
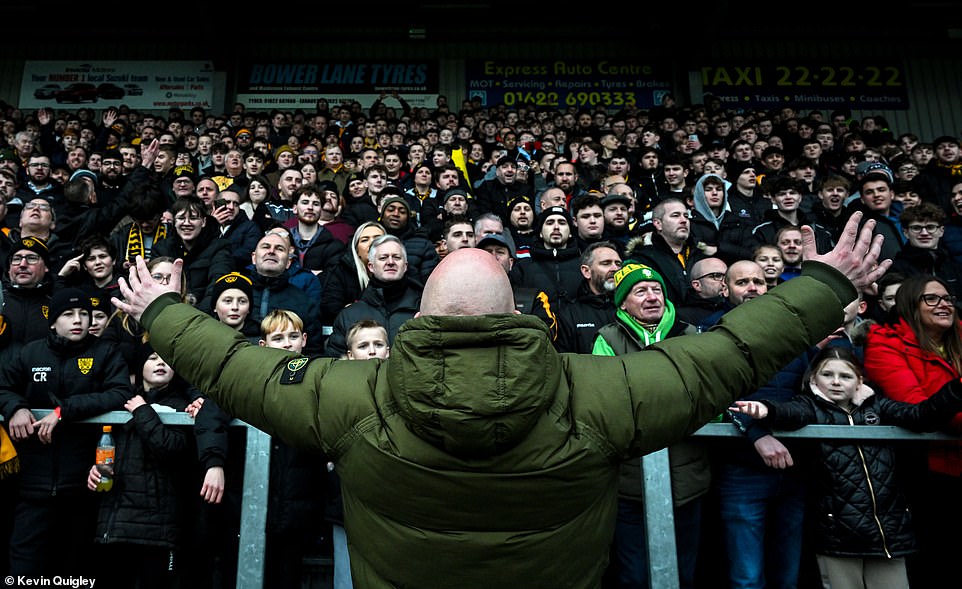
point(663, 569)
point(656, 479)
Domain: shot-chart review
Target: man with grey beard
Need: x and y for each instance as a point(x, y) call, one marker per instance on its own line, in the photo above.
point(574, 326)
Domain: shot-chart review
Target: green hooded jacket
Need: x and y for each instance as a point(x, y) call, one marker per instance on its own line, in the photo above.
point(477, 456)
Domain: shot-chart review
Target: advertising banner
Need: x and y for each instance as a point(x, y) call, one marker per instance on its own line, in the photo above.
point(147, 85)
point(876, 86)
point(557, 85)
point(287, 85)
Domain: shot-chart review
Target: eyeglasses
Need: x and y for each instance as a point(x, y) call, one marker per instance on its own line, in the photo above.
point(161, 278)
point(929, 228)
point(933, 300)
point(29, 258)
point(716, 276)
point(36, 205)
point(38, 165)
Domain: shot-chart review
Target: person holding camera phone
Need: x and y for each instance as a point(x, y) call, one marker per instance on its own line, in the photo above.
point(235, 226)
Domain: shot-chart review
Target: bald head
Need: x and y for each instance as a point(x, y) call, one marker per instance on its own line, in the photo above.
point(468, 281)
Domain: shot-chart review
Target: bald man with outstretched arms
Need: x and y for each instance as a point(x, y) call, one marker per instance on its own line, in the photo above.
point(478, 456)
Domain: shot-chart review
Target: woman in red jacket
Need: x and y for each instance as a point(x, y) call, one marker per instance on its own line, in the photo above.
point(910, 360)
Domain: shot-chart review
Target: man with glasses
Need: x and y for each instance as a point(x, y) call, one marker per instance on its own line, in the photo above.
point(111, 177)
point(924, 253)
point(27, 287)
point(39, 220)
point(184, 183)
point(707, 292)
point(39, 181)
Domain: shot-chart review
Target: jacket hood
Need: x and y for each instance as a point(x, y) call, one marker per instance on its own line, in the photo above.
point(473, 386)
point(701, 205)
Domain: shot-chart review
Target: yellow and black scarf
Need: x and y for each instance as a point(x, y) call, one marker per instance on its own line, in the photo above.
point(135, 240)
point(953, 169)
point(9, 461)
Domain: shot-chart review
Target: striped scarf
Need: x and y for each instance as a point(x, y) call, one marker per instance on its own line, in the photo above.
point(954, 169)
point(135, 241)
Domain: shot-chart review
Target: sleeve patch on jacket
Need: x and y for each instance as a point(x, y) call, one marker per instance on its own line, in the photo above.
point(294, 371)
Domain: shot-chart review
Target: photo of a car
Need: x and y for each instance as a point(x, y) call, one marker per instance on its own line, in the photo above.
point(46, 91)
point(109, 91)
point(77, 92)
point(133, 90)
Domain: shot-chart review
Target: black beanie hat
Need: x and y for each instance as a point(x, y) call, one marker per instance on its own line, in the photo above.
point(35, 245)
point(549, 212)
point(65, 299)
point(232, 280)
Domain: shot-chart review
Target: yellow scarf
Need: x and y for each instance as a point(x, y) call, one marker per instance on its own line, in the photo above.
point(954, 169)
point(9, 462)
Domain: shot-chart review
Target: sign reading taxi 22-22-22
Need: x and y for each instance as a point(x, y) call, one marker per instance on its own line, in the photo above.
point(812, 85)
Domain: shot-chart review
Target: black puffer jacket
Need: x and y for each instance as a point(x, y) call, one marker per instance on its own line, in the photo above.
point(859, 508)
point(25, 309)
point(341, 287)
point(150, 492)
point(84, 379)
point(389, 304)
point(575, 325)
point(554, 271)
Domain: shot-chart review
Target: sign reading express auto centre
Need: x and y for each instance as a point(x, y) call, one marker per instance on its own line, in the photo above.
point(101, 84)
point(287, 85)
point(856, 85)
point(612, 85)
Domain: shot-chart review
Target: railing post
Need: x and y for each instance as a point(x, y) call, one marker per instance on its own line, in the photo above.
point(253, 524)
point(659, 520)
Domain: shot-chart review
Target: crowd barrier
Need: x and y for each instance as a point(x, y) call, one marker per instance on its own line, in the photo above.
point(663, 571)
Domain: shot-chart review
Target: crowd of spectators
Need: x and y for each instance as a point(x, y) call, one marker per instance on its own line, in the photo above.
point(338, 215)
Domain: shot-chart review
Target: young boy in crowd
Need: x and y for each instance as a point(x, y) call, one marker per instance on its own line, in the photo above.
point(76, 376)
point(367, 339)
point(283, 329)
point(294, 505)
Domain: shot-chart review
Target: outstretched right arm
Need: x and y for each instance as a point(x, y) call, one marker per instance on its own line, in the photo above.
point(247, 381)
